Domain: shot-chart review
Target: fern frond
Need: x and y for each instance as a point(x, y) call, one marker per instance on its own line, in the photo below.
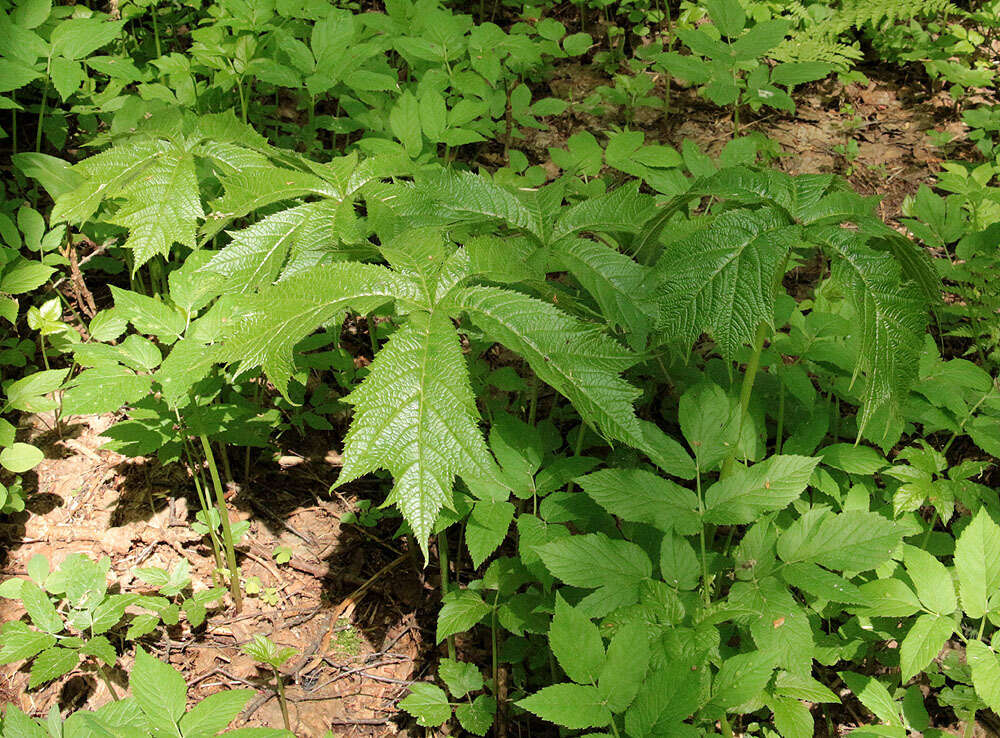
point(575, 359)
point(415, 416)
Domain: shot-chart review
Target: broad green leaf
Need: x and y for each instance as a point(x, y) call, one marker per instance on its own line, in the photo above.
point(29, 394)
point(570, 705)
point(773, 484)
point(891, 320)
point(19, 642)
point(824, 584)
point(850, 541)
point(874, 696)
point(428, 704)
point(576, 643)
point(461, 677)
point(575, 359)
point(214, 713)
point(977, 563)
point(21, 457)
point(460, 610)
point(149, 315)
point(639, 496)
point(40, 608)
point(666, 452)
point(922, 643)
point(741, 678)
point(620, 286)
point(853, 459)
point(280, 316)
point(985, 672)
point(679, 564)
point(487, 528)
point(792, 718)
point(625, 667)
point(477, 717)
point(416, 416)
point(24, 275)
point(932, 580)
point(160, 691)
point(104, 389)
point(721, 279)
point(100, 648)
point(51, 664)
point(615, 568)
point(709, 423)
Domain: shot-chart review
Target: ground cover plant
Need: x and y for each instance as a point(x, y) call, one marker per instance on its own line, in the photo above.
point(582, 368)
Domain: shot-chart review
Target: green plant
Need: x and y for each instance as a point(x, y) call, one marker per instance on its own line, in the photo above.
point(263, 650)
point(58, 642)
point(726, 61)
point(157, 707)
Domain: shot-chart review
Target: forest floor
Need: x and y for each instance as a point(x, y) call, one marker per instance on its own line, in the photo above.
point(359, 610)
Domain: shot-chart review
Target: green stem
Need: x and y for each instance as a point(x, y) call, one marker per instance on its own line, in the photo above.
point(780, 432)
point(227, 531)
point(202, 499)
point(701, 533)
point(578, 447)
point(156, 32)
point(41, 117)
point(103, 671)
point(282, 702)
point(746, 391)
point(442, 545)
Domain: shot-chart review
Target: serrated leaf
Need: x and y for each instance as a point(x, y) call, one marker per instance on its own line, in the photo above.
point(639, 496)
point(104, 389)
point(933, 582)
point(100, 648)
point(853, 540)
point(487, 528)
point(280, 316)
point(160, 691)
point(162, 208)
point(571, 705)
point(428, 704)
point(620, 286)
point(460, 677)
point(747, 494)
point(721, 279)
point(874, 696)
point(977, 563)
point(214, 713)
point(573, 358)
point(625, 667)
point(741, 678)
point(460, 611)
point(19, 642)
point(149, 315)
point(593, 561)
point(40, 608)
point(922, 643)
point(985, 672)
point(51, 664)
point(576, 643)
point(477, 717)
point(29, 394)
point(415, 415)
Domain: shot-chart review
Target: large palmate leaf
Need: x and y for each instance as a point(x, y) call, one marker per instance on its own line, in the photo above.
point(574, 358)
point(416, 416)
point(721, 279)
point(281, 315)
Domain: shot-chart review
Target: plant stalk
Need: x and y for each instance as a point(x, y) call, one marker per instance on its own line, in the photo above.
point(442, 545)
point(227, 531)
